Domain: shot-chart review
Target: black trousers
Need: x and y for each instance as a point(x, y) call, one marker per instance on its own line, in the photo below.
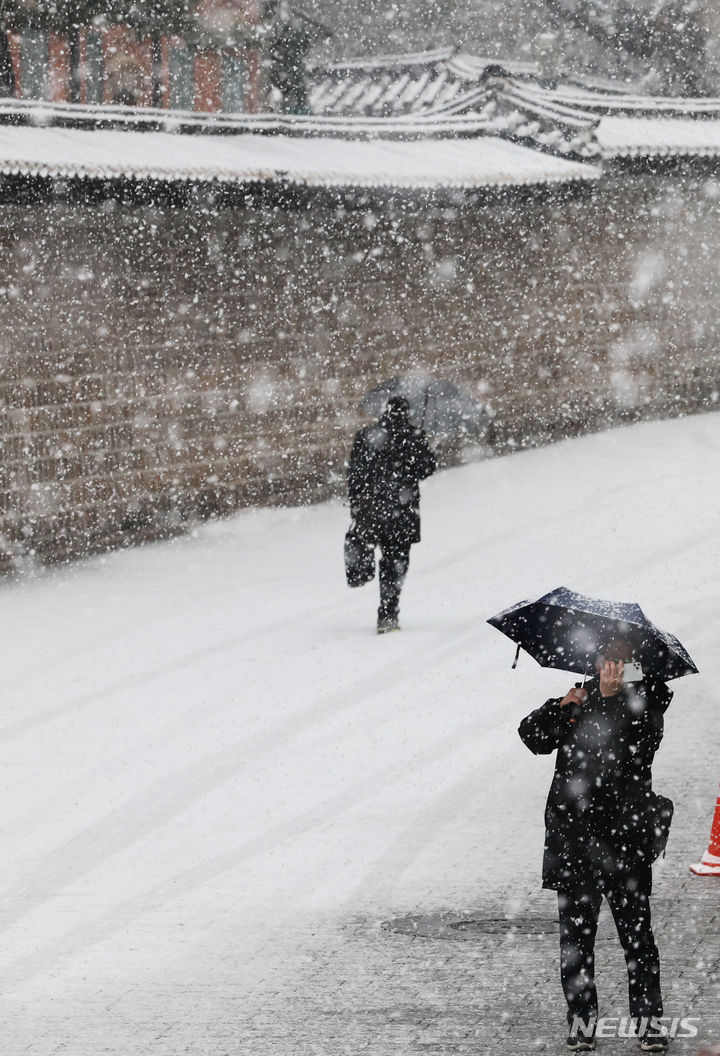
point(393, 566)
point(630, 908)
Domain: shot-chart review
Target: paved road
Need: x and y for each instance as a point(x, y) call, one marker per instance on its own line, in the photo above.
point(218, 783)
point(467, 990)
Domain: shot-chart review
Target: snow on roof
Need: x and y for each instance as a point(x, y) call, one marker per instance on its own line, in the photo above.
point(537, 100)
point(384, 93)
point(392, 84)
point(563, 118)
point(317, 162)
point(41, 114)
point(625, 124)
point(658, 136)
point(620, 101)
point(567, 100)
point(381, 94)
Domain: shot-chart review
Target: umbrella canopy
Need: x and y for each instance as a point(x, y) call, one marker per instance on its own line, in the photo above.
point(436, 405)
point(567, 630)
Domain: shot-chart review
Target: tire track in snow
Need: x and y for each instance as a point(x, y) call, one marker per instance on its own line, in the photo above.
point(190, 600)
point(685, 543)
point(174, 794)
point(77, 858)
point(416, 838)
point(156, 805)
point(172, 667)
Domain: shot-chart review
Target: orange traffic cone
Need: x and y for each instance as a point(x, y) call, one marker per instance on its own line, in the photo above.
point(709, 864)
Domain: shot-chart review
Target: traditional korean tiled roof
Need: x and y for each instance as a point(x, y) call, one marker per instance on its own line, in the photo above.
point(602, 101)
point(426, 82)
point(632, 125)
point(446, 83)
point(419, 164)
point(582, 118)
point(415, 122)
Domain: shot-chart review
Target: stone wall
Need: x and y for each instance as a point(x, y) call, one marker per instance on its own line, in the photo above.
point(160, 365)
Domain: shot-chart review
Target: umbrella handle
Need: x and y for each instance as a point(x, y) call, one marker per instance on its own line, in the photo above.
point(515, 661)
point(422, 420)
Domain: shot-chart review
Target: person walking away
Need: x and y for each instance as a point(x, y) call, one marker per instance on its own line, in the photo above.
point(596, 840)
point(387, 462)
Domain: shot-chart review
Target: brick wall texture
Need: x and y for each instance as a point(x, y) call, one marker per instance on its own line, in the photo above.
point(160, 365)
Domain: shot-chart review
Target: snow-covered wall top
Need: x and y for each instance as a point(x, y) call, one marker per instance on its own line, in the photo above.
point(658, 137)
point(313, 162)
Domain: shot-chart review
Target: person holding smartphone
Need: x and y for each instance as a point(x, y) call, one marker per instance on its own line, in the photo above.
point(606, 733)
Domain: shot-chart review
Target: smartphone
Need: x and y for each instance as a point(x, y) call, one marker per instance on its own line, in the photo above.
point(632, 672)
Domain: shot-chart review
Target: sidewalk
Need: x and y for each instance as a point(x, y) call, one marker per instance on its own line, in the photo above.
point(496, 992)
point(380, 992)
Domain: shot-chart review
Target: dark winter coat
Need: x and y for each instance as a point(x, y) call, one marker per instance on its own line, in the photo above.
point(387, 462)
point(602, 784)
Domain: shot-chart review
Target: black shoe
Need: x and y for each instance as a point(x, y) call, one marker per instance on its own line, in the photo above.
point(654, 1042)
point(579, 1043)
point(387, 623)
point(582, 1034)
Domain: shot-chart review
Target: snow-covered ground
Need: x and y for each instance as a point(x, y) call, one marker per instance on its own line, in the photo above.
point(214, 770)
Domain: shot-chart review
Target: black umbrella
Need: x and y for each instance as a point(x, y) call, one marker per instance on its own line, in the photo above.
point(437, 406)
point(566, 630)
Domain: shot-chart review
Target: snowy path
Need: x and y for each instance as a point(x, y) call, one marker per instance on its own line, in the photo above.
point(218, 780)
